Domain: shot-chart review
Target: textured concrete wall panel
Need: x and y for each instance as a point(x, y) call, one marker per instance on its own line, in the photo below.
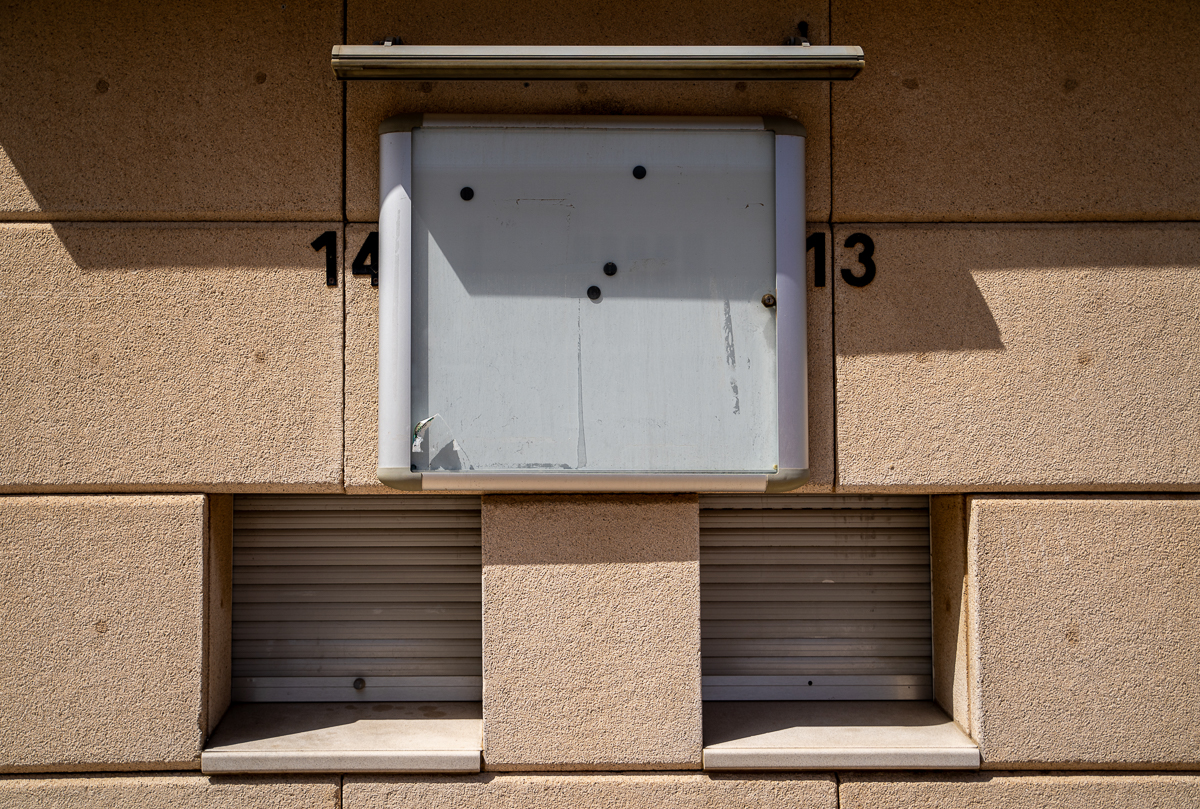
point(546, 22)
point(102, 627)
point(1021, 111)
point(1019, 357)
point(1011, 791)
point(591, 632)
point(677, 791)
point(171, 792)
point(1086, 631)
point(169, 357)
point(216, 110)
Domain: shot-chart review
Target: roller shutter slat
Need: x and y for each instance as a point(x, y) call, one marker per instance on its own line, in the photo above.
point(329, 593)
point(846, 555)
point(817, 591)
point(328, 589)
point(815, 597)
point(356, 630)
point(351, 667)
point(812, 611)
point(801, 574)
point(288, 557)
point(807, 647)
point(805, 666)
point(388, 537)
point(366, 574)
point(853, 628)
point(385, 648)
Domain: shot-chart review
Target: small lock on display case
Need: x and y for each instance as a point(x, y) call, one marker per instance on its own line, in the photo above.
point(592, 303)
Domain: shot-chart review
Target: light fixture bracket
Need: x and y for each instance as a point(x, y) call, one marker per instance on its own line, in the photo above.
point(593, 62)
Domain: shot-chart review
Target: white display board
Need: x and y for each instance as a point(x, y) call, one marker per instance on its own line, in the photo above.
point(588, 303)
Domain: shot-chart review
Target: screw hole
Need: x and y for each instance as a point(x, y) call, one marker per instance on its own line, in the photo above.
point(594, 293)
point(610, 269)
point(639, 172)
point(467, 193)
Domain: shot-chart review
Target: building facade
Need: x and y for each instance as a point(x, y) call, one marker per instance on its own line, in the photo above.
point(1022, 371)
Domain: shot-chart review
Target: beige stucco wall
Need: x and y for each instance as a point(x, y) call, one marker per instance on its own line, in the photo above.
point(1086, 630)
point(1016, 791)
point(186, 342)
point(591, 632)
point(1020, 357)
point(531, 791)
point(169, 357)
point(217, 110)
point(171, 792)
point(103, 605)
point(1021, 111)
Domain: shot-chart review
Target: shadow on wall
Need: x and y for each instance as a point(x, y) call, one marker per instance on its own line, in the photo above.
point(915, 312)
point(933, 282)
point(213, 247)
point(112, 113)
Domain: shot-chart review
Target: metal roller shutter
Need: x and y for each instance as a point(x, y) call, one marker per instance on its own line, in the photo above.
point(817, 598)
point(327, 590)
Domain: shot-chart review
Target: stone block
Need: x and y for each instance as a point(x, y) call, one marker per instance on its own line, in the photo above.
point(169, 357)
point(591, 632)
point(362, 377)
point(1020, 112)
point(542, 22)
point(218, 110)
point(1019, 357)
point(1086, 631)
point(581, 791)
point(1013, 791)
point(171, 792)
point(102, 601)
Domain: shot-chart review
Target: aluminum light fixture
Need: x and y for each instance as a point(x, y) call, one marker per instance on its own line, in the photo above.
point(653, 62)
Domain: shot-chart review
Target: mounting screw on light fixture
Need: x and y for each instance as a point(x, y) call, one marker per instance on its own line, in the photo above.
point(768, 300)
point(359, 684)
point(802, 39)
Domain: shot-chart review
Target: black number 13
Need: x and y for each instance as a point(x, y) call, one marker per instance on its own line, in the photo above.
point(864, 258)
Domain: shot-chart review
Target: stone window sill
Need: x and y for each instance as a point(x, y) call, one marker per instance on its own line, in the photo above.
point(833, 735)
point(337, 737)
